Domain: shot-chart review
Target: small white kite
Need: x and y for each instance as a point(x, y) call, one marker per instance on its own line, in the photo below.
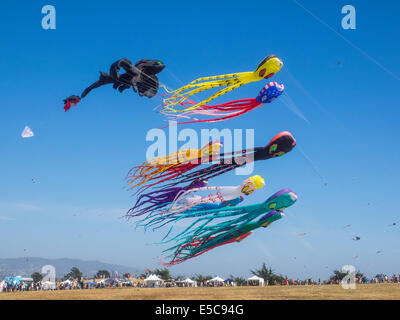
point(27, 133)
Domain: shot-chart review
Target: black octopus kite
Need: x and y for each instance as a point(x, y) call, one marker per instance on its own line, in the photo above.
point(141, 77)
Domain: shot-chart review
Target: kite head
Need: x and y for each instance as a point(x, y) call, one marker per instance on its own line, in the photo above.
point(281, 144)
point(268, 67)
point(212, 148)
point(270, 217)
point(270, 92)
point(251, 184)
point(150, 66)
point(281, 200)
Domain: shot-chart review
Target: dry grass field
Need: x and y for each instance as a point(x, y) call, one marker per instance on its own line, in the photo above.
point(332, 292)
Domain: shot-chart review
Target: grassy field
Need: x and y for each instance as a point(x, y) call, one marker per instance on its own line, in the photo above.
point(366, 291)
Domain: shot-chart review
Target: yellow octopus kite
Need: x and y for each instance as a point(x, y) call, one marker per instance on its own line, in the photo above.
point(265, 69)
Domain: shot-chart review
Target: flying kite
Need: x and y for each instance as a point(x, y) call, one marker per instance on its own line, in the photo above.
point(189, 201)
point(301, 234)
point(189, 198)
point(27, 132)
point(346, 226)
point(392, 224)
point(265, 69)
point(356, 238)
point(196, 240)
point(279, 145)
point(170, 166)
point(141, 77)
point(229, 110)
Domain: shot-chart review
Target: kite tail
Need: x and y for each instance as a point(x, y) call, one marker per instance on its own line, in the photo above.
point(205, 174)
point(222, 112)
point(171, 174)
point(184, 253)
point(231, 81)
point(71, 101)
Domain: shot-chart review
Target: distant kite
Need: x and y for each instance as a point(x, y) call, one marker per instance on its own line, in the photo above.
point(356, 238)
point(346, 226)
point(27, 133)
point(300, 234)
point(393, 224)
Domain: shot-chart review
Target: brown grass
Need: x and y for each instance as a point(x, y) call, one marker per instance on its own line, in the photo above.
point(331, 292)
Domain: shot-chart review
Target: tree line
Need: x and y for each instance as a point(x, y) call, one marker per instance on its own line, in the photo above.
point(265, 272)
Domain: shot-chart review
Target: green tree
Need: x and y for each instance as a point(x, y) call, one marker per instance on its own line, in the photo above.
point(339, 275)
point(37, 277)
point(239, 280)
point(268, 275)
point(103, 274)
point(163, 273)
point(75, 273)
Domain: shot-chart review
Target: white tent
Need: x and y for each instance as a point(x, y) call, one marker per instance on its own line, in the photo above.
point(216, 279)
point(27, 279)
point(2, 284)
point(190, 282)
point(256, 279)
point(152, 280)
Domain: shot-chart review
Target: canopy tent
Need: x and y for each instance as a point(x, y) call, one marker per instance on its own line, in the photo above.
point(27, 279)
point(190, 282)
point(152, 281)
point(230, 282)
point(256, 279)
point(216, 279)
point(153, 277)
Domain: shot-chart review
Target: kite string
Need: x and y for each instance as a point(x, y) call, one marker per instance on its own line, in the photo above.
point(348, 41)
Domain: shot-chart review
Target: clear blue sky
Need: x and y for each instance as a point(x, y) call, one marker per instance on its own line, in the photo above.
point(79, 158)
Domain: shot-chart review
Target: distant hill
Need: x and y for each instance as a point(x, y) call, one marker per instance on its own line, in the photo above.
point(27, 266)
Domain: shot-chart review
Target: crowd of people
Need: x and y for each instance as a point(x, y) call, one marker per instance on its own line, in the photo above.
point(139, 283)
point(64, 285)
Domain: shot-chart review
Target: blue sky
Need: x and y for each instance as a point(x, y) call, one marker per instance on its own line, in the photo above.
point(79, 159)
